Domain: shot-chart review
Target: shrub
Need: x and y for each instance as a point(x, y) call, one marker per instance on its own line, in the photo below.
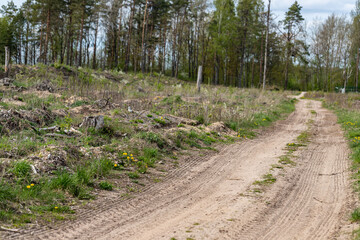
point(106, 186)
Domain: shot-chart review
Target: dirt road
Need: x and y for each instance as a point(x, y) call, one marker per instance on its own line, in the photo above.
point(212, 199)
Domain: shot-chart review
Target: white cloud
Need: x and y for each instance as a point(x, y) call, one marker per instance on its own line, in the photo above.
point(312, 9)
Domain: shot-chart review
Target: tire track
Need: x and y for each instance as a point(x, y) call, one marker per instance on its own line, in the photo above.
point(315, 206)
point(307, 203)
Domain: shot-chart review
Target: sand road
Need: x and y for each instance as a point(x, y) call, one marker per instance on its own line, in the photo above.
point(213, 199)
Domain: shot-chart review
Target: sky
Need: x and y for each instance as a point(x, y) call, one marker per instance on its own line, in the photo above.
point(311, 11)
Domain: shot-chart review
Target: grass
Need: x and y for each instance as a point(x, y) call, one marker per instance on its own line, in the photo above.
point(133, 175)
point(267, 180)
point(94, 158)
point(286, 160)
point(106, 186)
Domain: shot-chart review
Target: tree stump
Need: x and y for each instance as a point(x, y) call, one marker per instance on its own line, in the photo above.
point(96, 122)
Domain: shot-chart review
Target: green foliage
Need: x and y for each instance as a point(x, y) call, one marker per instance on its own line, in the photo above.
point(106, 186)
point(21, 170)
point(153, 138)
point(160, 121)
point(133, 175)
point(267, 180)
point(172, 100)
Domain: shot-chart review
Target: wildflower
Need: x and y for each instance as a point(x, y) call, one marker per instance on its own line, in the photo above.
point(161, 118)
point(28, 186)
point(115, 165)
point(131, 155)
point(132, 158)
point(264, 119)
point(32, 184)
point(239, 136)
point(56, 207)
point(124, 153)
point(128, 158)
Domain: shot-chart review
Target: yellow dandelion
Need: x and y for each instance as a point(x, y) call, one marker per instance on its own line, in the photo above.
point(131, 155)
point(56, 207)
point(32, 184)
point(239, 136)
point(115, 165)
point(28, 186)
point(128, 158)
point(124, 153)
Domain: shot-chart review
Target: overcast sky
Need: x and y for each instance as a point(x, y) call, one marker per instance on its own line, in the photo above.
point(311, 10)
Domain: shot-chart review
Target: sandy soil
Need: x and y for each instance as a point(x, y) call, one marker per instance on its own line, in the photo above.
point(212, 199)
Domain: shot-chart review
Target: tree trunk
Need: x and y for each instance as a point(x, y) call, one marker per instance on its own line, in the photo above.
point(81, 35)
point(7, 61)
point(199, 79)
point(119, 36)
point(27, 43)
point(41, 41)
point(357, 70)
point(266, 44)
point(143, 50)
point(287, 60)
point(94, 53)
point(164, 52)
point(252, 72)
point(47, 36)
point(69, 46)
point(216, 69)
point(127, 53)
point(242, 59)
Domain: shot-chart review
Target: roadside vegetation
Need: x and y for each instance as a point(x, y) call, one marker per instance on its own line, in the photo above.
point(68, 134)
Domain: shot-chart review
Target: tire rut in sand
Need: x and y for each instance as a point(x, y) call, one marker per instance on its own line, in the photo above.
point(313, 203)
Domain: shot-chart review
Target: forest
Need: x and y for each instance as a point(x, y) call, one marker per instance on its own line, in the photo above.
point(237, 43)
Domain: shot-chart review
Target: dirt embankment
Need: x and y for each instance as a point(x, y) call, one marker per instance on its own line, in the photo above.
point(211, 199)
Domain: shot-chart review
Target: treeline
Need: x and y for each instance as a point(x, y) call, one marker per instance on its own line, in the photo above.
point(174, 37)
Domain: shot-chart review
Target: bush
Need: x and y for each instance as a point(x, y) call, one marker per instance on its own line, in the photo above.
point(106, 186)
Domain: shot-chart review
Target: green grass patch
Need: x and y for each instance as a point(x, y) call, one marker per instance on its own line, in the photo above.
point(267, 180)
point(106, 186)
point(286, 160)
